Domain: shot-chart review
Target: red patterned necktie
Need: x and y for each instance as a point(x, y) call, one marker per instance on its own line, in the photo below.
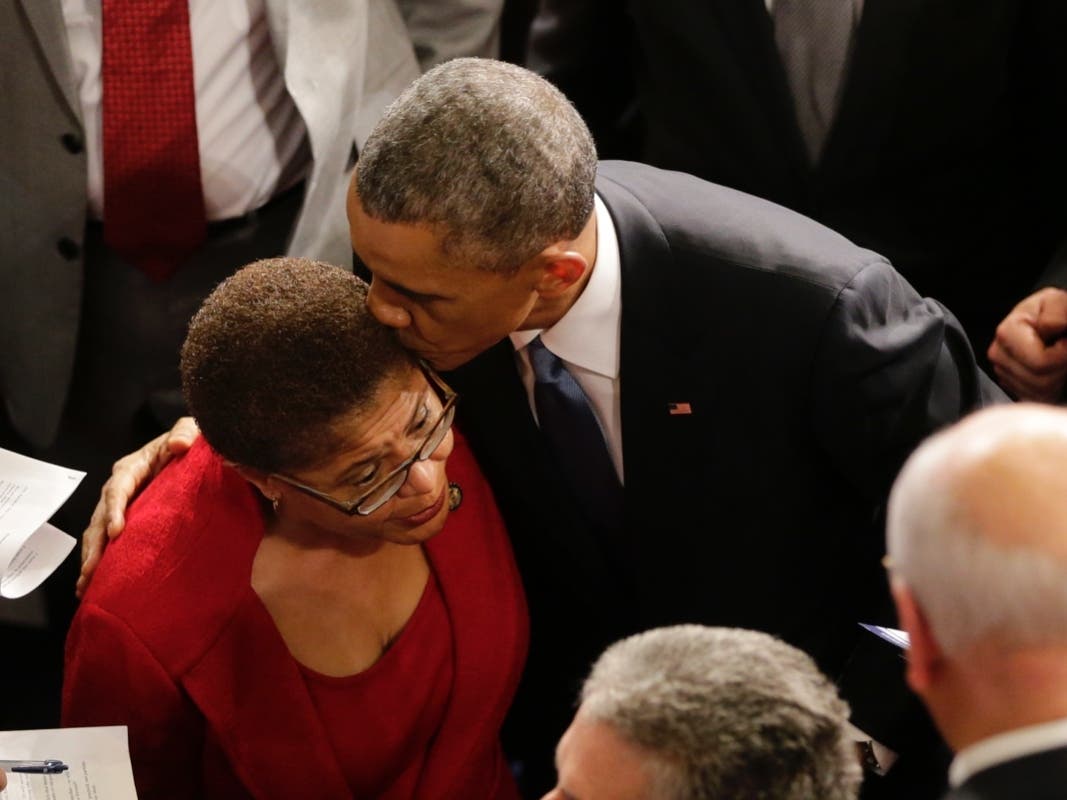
point(153, 201)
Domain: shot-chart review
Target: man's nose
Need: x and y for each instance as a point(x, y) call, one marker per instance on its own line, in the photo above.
point(385, 309)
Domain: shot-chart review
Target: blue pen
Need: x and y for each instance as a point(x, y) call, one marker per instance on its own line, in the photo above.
point(50, 766)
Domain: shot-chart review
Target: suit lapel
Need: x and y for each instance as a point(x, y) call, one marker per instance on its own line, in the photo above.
point(661, 371)
point(1037, 776)
point(657, 357)
point(869, 96)
point(45, 17)
point(748, 28)
point(868, 100)
point(263, 740)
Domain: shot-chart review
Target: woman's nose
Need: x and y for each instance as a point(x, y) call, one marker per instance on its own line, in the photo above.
point(422, 478)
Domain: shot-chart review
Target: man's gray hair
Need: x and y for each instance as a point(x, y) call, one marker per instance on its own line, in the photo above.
point(725, 713)
point(970, 580)
point(491, 153)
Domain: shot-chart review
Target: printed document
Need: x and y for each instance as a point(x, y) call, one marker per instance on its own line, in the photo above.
point(30, 548)
point(98, 761)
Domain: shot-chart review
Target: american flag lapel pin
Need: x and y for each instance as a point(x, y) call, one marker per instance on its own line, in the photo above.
point(677, 409)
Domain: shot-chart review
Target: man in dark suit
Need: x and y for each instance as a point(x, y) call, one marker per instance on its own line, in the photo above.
point(977, 539)
point(940, 150)
point(775, 376)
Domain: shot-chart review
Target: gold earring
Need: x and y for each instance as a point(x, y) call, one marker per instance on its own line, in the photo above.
point(275, 503)
point(455, 496)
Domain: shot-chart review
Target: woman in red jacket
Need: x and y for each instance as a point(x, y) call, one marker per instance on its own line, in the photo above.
point(306, 605)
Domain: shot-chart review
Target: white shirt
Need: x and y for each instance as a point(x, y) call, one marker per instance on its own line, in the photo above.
point(586, 338)
point(1006, 747)
point(251, 136)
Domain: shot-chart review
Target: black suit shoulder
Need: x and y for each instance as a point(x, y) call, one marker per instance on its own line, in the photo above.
point(939, 158)
point(1040, 776)
point(703, 221)
point(803, 324)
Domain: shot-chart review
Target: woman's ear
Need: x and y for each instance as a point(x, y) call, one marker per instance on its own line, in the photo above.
point(261, 480)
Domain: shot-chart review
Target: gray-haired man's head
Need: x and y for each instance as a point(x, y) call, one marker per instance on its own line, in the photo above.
point(491, 153)
point(472, 208)
point(689, 712)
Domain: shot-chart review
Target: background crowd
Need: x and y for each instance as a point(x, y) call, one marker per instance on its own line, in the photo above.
point(830, 228)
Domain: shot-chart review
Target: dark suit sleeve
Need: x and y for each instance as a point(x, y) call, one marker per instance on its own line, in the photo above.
point(111, 678)
point(890, 369)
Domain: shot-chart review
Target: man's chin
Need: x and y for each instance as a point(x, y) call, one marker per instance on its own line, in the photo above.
point(445, 362)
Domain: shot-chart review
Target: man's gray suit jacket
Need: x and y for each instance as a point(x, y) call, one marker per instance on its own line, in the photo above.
point(343, 62)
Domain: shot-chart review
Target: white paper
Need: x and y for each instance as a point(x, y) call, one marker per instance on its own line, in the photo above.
point(98, 758)
point(30, 493)
point(891, 635)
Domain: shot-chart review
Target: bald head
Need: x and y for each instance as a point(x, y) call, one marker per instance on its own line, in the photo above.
point(977, 529)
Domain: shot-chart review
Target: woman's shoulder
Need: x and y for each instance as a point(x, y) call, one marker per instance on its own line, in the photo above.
point(186, 550)
point(461, 463)
point(476, 513)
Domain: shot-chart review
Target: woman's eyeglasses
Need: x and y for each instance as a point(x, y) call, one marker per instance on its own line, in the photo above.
point(384, 491)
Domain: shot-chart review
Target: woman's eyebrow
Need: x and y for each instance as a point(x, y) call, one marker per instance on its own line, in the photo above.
point(424, 402)
point(354, 468)
point(375, 457)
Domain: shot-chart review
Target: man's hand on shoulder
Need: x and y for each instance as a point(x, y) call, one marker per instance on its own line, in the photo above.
point(128, 476)
point(1029, 352)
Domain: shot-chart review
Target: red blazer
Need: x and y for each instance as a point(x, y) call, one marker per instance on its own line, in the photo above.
point(169, 641)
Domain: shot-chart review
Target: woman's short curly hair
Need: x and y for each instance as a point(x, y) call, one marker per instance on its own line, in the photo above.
point(277, 354)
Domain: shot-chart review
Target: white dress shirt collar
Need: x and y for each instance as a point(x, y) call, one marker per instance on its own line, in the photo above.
point(1006, 747)
point(581, 335)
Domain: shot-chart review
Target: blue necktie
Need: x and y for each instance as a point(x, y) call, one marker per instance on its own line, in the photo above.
point(575, 438)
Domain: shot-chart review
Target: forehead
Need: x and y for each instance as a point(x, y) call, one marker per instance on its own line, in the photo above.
point(385, 413)
point(408, 255)
point(596, 763)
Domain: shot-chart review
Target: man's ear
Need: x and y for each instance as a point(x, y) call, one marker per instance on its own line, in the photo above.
point(925, 657)
point(561, 270)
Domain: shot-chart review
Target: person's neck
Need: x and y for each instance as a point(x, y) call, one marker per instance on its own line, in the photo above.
point(1003, 693)
point(315, 542)
point(547, 311)
point(290, 559)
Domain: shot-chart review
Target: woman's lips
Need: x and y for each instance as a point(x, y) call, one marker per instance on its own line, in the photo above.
point(427, 513)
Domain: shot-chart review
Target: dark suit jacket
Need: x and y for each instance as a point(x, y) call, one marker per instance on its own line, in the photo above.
point(172, 641)
point(945, 155)
point(1041, 776)
point(812, 369)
